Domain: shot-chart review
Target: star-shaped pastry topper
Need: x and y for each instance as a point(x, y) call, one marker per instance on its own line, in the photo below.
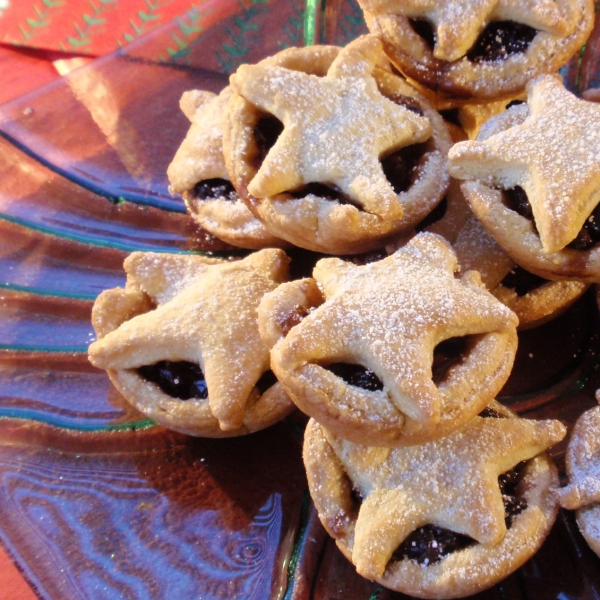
point(200, 155)
point(458, 23)
point(554, 155)
point(389, 315)
point(205, 314)
point(451, 482)
point(583, 463)
point(336, 128)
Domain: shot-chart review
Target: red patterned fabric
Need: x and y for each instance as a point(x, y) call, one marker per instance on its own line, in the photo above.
point(23, 70)
point(12, 584)
point(93, 27)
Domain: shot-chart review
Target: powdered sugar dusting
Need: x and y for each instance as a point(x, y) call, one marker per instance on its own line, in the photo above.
point(451, 482)
point(335, 129)
point(553, 155)
point(389, 316)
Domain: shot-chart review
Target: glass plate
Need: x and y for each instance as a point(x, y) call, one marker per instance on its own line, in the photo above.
point(99, 502)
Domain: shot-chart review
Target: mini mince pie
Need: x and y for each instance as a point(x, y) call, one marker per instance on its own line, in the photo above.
point(533, 299)
point(533, 180)
point(396, 351)
point(582, 494)
point(181, 341)
point(198, 172)
point(444, 519)
point(476, 49)
point(335, 162)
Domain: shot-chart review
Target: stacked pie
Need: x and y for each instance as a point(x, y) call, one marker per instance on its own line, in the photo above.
point(428, 485)
point(181, 341)
point(489, 49)
point(444, 184)
point(582, 494)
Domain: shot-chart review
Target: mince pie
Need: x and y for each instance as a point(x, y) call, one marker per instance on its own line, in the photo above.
point(181, 341)
point(396, 351)
point(483, 50)
point(533, 180)
point(533, 299)
point(582, 494)
point(444, 519)
point(198, 172)
point(335, 162)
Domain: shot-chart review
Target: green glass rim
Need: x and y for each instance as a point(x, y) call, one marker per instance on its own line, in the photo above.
point(310, 21)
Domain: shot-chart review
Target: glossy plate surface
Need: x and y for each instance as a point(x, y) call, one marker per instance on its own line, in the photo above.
point(97, 501)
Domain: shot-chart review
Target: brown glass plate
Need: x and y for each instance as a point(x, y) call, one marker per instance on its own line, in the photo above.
point(99, 502)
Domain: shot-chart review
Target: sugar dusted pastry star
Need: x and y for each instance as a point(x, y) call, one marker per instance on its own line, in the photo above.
point(458, 23)
point(319, 143)
point(447, 490)
point(337, 161)
point(198, 172)
point(473, 50)
point(554, 156)
point(200, 156)
point(544, 161)
point(181, 341)
point(362, 362)
point(582, 493)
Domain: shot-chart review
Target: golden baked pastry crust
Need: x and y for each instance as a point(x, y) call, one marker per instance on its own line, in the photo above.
point(198, 159)
point(452, 483)
point(518, 238)
point(563, 26)
point(530, 147)
point(477, 250)
point(473, 117)
point(453, 212)
point(542, 304)
point(200, 155)
point(582, 493)
point(388, 316)
point(324, 142)
point(200, 310)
